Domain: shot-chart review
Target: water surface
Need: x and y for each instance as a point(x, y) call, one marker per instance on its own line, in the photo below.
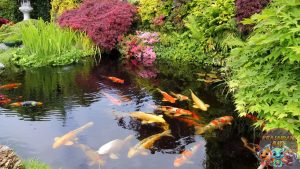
point(75, 95)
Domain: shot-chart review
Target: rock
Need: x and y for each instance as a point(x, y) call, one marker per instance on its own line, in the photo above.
point(3, 46)
point(8, 159)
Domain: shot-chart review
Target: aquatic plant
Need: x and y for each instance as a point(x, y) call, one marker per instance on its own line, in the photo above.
point(138, 49)
point(60, 6)
point(48, 44)
point(265, 72)
point(35, 164)
point(102, 20)
point(245, 9)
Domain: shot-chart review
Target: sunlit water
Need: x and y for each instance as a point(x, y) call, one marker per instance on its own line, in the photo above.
point(74, 95)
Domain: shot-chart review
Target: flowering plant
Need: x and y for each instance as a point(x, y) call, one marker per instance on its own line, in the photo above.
point(138, 48)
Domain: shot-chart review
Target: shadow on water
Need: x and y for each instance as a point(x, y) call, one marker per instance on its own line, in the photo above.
point(77, 94)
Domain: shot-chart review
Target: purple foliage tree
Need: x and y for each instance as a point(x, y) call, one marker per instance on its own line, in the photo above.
point(245, 9)
point(103, 20)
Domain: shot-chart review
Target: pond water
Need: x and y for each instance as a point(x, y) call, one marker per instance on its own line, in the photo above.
point(76, 95)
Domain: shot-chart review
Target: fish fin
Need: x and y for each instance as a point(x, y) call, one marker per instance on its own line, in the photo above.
point(196, 107)
point(69, 143)
point(164, 100)
point(207, 105)
point(172, 93)
point(144, 152)
point(56, 138)
point(113, 156)
point(145, 122)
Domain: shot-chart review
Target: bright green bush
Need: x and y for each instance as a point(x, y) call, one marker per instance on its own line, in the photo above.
point(265, 72)
point(48, 44)
point(60, 6)
point(148, 10)
point(212, 23)
point(210, 33)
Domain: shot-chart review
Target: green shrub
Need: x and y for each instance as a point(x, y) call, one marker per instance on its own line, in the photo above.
point(48, 44)
point(9, 9)
point(210, 33)
point(212, 23)
point(148, 10)
point(60, 6)
point(265, 72)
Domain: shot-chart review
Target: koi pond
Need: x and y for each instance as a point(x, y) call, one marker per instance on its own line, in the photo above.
point(79, 95)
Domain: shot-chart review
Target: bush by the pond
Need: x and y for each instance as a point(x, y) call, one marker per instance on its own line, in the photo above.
point(102, 20)
point(60, 6)
point(138, 49)
point(34, 164)
point(265, 72)
point(149, 10)
point(9, 9)
point(245, 9)
point(210, 34)
point(48, 44)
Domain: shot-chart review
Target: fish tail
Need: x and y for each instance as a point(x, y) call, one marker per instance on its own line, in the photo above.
point(167, 133)
point(128, 138)
point(159, 90)
point(89, 124)
point(172, 93)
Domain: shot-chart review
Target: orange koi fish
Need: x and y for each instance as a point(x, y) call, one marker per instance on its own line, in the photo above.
point(112, 99)
point(186, 155)
point(176, 112)
point(217, 123)
point(11, 86)
point(167, 97)
point(189, 122)
point(180, 96)
point(115, 79)
point(68, 138)
point(5, 101)
point(26, 104)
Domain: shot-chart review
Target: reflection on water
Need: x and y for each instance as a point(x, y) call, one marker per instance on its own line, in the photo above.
point(75, 95)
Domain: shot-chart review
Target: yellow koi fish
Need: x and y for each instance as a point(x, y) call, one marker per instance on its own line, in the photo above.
point(92, 155)
point(68, 138)
point(147, 143)
point(148, 118)
point(199, 104)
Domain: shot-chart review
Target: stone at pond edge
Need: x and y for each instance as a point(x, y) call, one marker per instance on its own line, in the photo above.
point(8, 159)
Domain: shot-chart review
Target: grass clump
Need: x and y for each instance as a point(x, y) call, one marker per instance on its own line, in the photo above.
point(34, 164)
point(48, 44)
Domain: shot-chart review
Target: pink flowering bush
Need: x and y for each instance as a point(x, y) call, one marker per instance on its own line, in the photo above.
point(138, 49)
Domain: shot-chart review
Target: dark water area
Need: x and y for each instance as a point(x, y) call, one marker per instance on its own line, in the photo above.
point(78, 94)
